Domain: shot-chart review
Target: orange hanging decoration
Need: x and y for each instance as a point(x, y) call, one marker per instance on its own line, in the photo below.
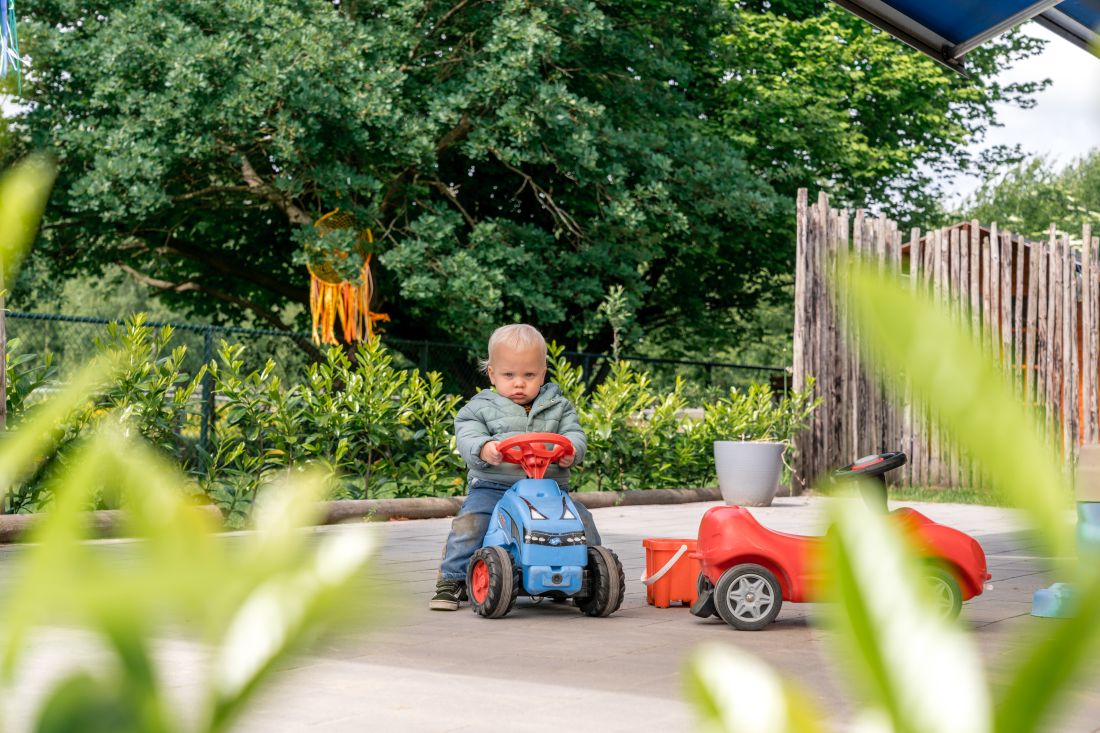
point(331, 297)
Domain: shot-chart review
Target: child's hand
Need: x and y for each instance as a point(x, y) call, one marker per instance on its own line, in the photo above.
point(490, 454)
point(567, 461)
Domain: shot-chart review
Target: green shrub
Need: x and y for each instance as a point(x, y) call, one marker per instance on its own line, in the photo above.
point(255, 433)
point(147, 395)
point(640, 437)
point(378, 431)
point(28, 377)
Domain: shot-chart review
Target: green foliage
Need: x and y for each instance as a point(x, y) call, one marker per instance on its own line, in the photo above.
point(23, 193)
point(254, 434)
point(616, 311)
point(253, 604)
point(27, 375)
point(151, 392)
point(756, 414)
point(818, 97)
point(642, 437)
point(432, 466)
point(1030, 196)
point(903, 659)
point(148, 395)
point(506, 155)
point(610, 418)
point(377, 431)
point(569, 377)
point(514, 160)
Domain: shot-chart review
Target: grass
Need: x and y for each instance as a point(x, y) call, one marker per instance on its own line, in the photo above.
point(958, 495)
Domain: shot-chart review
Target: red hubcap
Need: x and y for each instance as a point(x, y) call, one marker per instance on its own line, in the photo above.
point(480, 587)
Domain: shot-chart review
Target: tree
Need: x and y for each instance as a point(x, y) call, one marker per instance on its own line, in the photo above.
point(512, 159)
point(1030, 196)
point(817, 97)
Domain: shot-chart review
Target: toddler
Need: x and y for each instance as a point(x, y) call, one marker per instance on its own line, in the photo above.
point(520, 403)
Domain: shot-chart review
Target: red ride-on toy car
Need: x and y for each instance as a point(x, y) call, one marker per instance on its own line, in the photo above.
point(748, 570)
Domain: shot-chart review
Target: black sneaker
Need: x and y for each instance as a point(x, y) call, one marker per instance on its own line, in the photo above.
point(447, 595)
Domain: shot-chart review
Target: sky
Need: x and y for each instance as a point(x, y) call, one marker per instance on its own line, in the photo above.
point(1065, 122)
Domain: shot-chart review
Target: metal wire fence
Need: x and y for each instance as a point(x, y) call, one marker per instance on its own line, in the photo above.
point(71, 340)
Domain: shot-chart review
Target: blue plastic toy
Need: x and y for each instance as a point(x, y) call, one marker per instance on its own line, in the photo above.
point(536, 543)
point(1059, 600)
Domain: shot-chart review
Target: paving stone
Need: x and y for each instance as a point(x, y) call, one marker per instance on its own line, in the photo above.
point(546, 665)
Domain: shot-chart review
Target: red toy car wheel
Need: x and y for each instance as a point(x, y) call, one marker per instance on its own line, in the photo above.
point(748, 597)
point(946, 594)
point(492, 582)
point(479, 581)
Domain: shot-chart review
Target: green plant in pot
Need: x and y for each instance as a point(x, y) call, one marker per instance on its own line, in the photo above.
point(752, 431)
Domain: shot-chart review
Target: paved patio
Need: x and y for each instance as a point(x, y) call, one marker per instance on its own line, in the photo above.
point(547, 665)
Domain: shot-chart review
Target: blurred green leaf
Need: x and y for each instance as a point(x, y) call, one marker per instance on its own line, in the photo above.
point(272, 591)
point(914, 338)
point(21, 449)
point(23, 193)
point(82, 703)
point(1055, 657)
point(736, 693)
point(921, 671)
point(279, 615)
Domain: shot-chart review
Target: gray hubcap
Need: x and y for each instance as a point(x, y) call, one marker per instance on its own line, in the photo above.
point(750, 597)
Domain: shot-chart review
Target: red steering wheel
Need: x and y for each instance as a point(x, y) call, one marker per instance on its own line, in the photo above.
point(529, 451)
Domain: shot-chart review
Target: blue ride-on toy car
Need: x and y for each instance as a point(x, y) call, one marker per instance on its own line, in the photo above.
point(536, 542)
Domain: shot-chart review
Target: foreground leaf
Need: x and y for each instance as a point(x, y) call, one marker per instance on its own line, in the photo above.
point(23, 193)
point(922, 671)
point(1057, 656)
point(736, 693)
point(916, 339)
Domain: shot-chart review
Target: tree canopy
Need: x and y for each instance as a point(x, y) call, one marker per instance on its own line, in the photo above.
point(1030, 196)
point(513, 160)
point(817, 97)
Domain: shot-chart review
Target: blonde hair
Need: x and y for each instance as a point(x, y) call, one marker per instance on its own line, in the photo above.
point(518, 336)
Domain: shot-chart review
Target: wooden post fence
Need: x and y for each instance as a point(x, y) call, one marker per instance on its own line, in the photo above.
point(1034, 306)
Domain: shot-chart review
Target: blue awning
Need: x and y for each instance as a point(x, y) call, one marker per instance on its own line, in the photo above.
point(947, 31)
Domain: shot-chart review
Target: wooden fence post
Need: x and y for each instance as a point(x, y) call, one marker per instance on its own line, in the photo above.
point(799, 346)
point(1031, 373)
point(1088, 336)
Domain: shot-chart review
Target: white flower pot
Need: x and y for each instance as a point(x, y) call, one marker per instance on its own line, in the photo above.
point(748, 472)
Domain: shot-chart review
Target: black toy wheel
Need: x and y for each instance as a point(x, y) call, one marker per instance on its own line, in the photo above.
point(606, 583)
point(748, 597)
point(946, 594)
point(491, 582)
point(704, 598)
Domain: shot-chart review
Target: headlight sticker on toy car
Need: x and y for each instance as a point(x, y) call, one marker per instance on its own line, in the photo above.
point(554, 539)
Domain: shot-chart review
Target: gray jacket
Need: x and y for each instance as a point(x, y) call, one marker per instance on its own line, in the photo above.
point(491, 416)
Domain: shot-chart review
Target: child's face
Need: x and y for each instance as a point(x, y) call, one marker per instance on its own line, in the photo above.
point(517, 375)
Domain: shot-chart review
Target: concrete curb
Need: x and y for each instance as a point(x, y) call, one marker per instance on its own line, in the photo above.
point(447, 506)
point(101, 523)
point(107, 522)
